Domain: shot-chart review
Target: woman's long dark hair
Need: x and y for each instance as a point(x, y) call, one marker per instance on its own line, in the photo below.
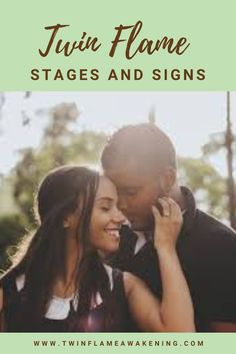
point(63, 191)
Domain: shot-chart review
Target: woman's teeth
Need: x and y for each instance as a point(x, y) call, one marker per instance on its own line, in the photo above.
point(113, 232)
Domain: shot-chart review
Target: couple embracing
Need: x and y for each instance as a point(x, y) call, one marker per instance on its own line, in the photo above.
point(125, 251)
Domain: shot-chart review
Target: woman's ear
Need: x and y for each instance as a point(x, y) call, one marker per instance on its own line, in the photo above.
point(69, 221)
point(167, 180)
point(66, 223)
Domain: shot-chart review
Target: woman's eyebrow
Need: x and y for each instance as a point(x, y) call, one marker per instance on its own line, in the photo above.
point(109, 199)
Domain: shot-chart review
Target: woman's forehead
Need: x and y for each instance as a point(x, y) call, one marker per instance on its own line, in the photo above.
point(106, 188)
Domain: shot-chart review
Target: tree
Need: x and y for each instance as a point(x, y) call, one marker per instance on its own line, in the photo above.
point(207, 185)
point(58, 133)
point(152, 116)
point(225, 141)
point(60, 145)
point(2, 101)
point(12, 230)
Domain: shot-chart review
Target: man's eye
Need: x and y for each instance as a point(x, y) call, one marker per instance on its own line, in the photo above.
point(127, 192)
point(131, 193)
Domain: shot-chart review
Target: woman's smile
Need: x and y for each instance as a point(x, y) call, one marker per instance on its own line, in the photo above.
point(113, 232)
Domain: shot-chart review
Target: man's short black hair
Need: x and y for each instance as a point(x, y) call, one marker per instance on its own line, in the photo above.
point(144, 144)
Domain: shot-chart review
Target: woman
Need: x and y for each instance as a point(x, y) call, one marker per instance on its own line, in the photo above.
point(62, 284)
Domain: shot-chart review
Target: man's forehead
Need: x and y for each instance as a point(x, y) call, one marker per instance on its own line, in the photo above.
point(128, 178)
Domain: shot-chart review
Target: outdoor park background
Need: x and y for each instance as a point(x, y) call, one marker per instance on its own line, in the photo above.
point(42, 130)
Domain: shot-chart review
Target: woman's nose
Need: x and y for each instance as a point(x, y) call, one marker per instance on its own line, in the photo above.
point(119, 216)
point(122, 205)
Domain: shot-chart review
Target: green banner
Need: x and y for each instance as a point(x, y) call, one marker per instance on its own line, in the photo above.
point(122, 45)
point(118, 343)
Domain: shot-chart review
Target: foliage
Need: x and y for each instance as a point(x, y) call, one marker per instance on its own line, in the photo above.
point(11, 231)
point(216, 143)
point(60, 145)
point(225, 141)
point(207, 185)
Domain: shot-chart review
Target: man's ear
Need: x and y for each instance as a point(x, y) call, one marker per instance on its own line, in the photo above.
point(167, 180)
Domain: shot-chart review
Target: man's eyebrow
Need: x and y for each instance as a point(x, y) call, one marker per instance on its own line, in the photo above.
point(129, 187)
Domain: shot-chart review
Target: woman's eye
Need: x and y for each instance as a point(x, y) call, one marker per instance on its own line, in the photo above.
point(104, 208)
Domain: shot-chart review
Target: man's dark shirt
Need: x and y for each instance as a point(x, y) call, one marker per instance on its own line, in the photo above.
point(207, 252)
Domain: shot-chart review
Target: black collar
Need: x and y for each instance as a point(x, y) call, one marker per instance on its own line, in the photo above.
point(190, 210)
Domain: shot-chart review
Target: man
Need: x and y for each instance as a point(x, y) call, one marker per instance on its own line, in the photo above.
point(141, 161)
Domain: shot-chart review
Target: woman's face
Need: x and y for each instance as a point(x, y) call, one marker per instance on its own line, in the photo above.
point(106, 219)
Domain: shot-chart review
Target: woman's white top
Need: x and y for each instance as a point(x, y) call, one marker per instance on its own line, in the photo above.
point(58, 308)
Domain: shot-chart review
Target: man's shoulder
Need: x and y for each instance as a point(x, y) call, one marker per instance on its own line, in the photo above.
point(213, 239)
point(209, 226)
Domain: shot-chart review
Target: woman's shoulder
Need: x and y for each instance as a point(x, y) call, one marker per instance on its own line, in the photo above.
point(116, 275)
point(12, 281)
point(130, 278)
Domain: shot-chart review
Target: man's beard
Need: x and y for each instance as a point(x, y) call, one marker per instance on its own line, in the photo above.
point(145, 226)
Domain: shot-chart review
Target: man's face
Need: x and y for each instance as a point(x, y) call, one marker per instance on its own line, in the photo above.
point(137, 193)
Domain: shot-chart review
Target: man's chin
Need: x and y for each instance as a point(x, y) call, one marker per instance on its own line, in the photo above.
point(142, 227)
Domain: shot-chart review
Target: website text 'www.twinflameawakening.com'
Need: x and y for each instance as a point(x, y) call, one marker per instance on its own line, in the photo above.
point(118, 343)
